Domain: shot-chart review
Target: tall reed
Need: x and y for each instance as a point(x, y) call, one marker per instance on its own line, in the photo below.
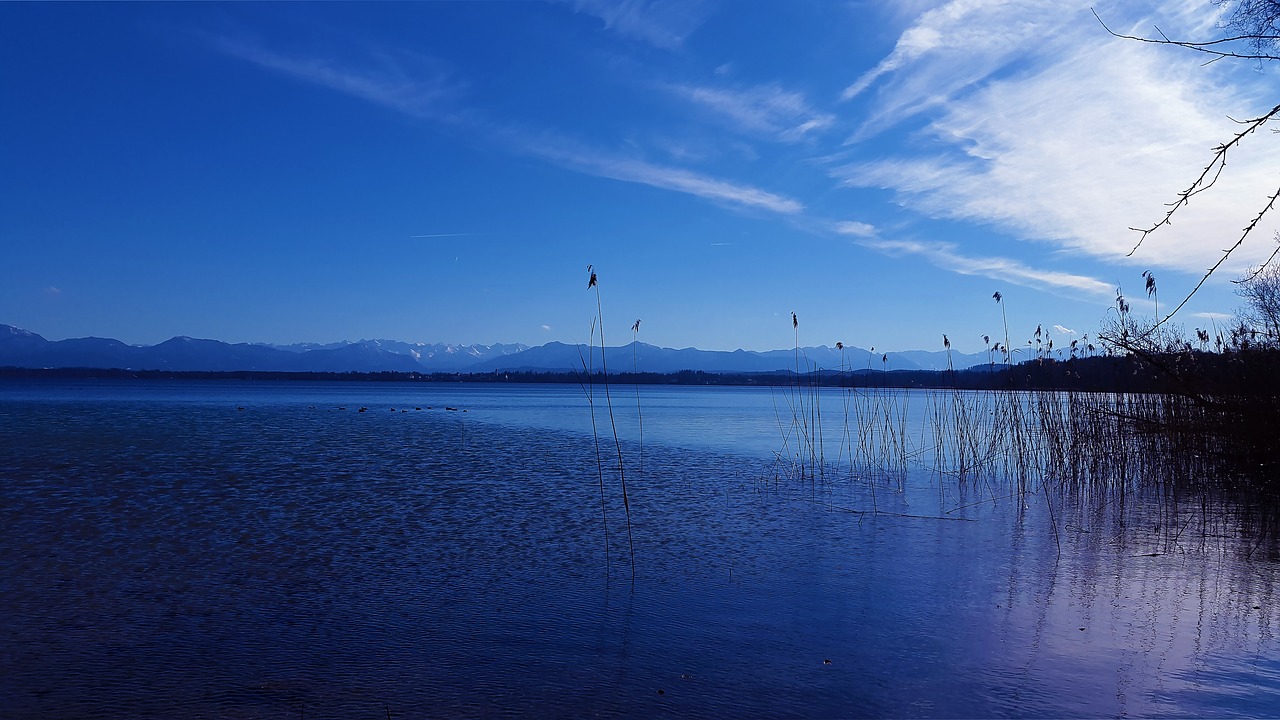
point(592, 282)
point(588, 388)
point(635, 371)
point(1041, 427)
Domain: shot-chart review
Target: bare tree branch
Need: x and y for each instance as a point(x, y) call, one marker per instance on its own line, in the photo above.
point(1257, 25)
point(1271, 202)
point(1208, 47)
point(1265, 264)
point(1206, 181)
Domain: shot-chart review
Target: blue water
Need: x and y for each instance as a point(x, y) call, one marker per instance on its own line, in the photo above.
point(258, 549)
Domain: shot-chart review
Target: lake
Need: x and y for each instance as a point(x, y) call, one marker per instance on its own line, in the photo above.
point(239, 549)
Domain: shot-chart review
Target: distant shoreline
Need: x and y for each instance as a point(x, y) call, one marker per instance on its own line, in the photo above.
point(1097, 374)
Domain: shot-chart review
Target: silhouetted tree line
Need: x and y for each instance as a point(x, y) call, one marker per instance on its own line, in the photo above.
point(1230, 396)
point(1246, 371)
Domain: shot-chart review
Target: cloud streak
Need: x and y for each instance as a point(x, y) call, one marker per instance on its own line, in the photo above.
point(408, 83)
point(784, 115)
point(602, 164)
point(661, 23)
point(421, 95)
point(951, 48)
point(856, 229)
point(947, 256)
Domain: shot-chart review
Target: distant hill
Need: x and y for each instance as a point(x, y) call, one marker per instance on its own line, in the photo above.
point(437, 357)
point(22, 348)
point(649, 358)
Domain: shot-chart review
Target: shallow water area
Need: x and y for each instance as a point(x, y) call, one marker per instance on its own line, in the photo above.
point(250, 549)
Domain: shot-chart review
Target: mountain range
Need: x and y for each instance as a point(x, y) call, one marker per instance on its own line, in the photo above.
point(25, 349)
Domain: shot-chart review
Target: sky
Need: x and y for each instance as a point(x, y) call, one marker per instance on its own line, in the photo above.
point(446, 172)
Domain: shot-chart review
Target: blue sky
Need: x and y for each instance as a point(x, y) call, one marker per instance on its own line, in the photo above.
point(445, 172)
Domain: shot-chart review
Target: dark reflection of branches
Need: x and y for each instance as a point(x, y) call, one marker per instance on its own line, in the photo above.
point(1133, 599)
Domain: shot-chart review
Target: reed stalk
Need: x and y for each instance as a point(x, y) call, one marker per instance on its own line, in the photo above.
point(604, 373)
point(588, 388)
point(635, 371)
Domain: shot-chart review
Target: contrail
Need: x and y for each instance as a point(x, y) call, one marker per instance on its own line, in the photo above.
point(438, 235)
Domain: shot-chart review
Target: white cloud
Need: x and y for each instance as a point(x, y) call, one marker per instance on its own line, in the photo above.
point(1054, 131)
point(947, 256)
point(662, 23)
point(766, 109)
point(1063, 330)
point(856, 229)
point(950, 48)
point(406, 82)
point(680, 180)
point(603, 164)
point(419, 96)
point(546, 328)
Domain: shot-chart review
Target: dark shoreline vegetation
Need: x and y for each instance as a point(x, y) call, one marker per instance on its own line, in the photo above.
point(1245, 373)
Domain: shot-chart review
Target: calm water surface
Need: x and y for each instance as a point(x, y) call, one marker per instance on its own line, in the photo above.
point(250, 549)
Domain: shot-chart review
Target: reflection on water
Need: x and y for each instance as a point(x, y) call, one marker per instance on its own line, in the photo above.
point(251, 550)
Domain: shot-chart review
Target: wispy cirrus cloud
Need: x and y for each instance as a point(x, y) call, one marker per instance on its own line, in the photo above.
point(421, 94)
point(784, 115)
point(661, 23)
point(409, 83)
point(1054, 131)
point(949, 256)
point(950, 48)
point(603, 164)
point(856, 229)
